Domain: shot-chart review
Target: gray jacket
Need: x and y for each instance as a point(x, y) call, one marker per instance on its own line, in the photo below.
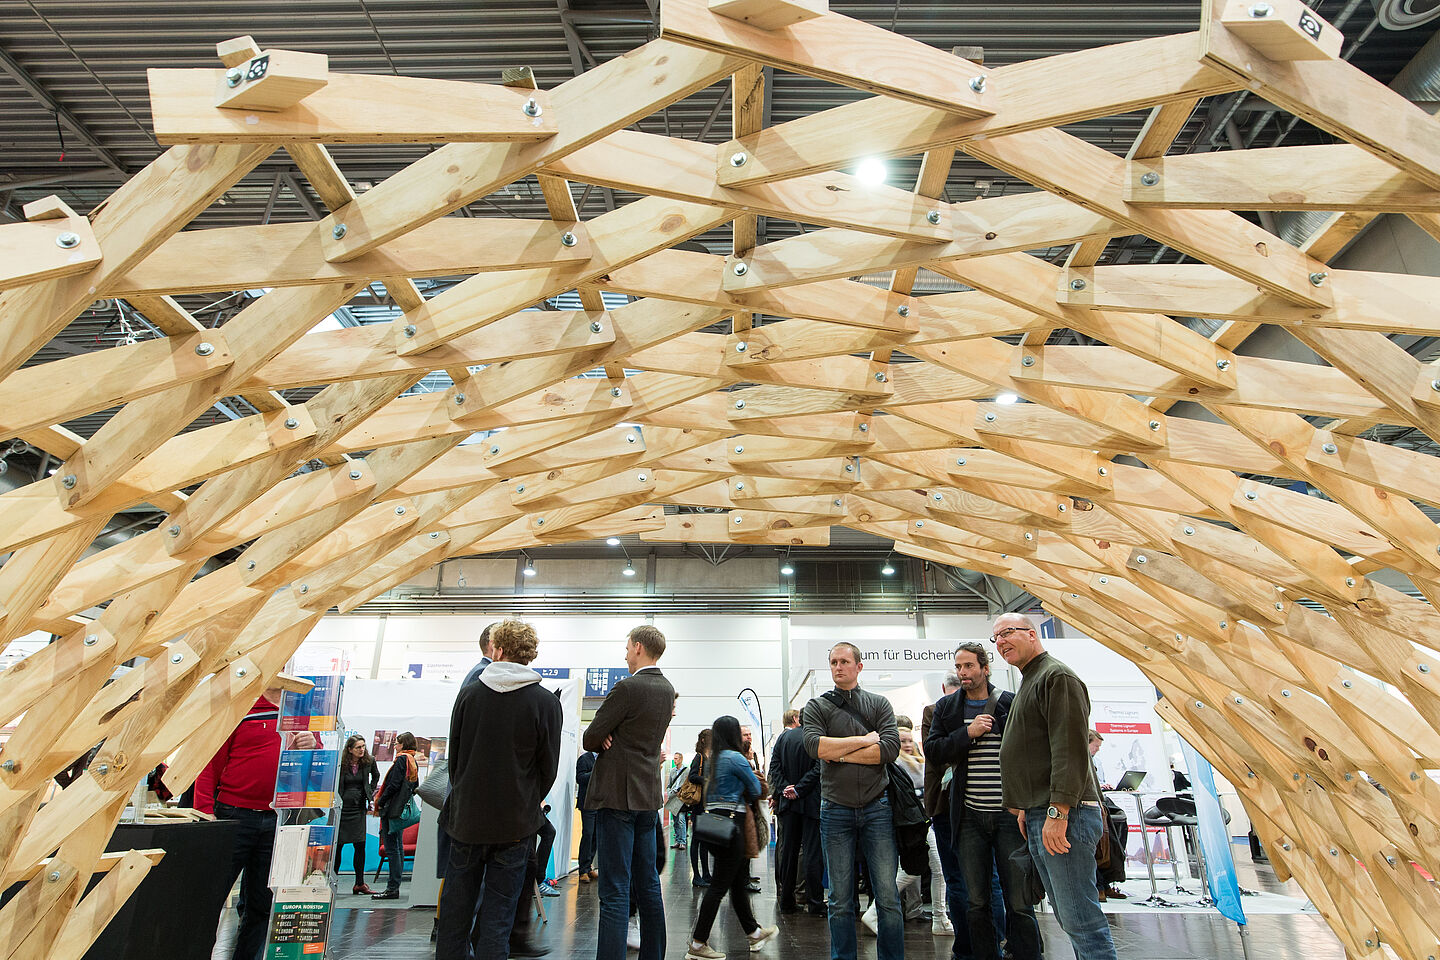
point(851, 784)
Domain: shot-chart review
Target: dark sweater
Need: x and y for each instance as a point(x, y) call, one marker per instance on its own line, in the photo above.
point(852, 784)
point(1043, 757)
point(504, 754)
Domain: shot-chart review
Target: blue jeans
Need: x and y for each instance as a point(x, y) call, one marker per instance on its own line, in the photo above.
point(1069, 879)
point(392, 847)
point(873, 828)
point(586, 854)
point(677, 826)
point(986, 840)
point(627, 861)
point(493, 875)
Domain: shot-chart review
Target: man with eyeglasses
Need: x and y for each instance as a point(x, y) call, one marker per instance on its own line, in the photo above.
point(1047, 783)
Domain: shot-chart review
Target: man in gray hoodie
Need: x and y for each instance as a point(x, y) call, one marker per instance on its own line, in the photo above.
point(504, 754)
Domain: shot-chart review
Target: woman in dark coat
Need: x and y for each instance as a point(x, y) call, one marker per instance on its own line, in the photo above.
point(399, 784)
point(358, 778)
point(699, 856)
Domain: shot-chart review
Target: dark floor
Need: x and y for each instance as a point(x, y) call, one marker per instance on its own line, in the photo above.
point(390, 934)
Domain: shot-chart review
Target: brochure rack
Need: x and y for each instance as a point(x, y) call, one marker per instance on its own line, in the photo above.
point(307, 807)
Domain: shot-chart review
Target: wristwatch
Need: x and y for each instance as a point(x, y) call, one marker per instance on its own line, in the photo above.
point(1054, 813)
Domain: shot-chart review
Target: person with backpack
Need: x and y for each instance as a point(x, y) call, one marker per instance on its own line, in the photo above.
point(854, 735)
point(392, 807)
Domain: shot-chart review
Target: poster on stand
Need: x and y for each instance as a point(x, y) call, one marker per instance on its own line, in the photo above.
point(299, 923)
point(315, 710)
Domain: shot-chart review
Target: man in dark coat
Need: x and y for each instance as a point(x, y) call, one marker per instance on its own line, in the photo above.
point(584, 767)
point(795, 780)
point(504, 754)
point(626, 793)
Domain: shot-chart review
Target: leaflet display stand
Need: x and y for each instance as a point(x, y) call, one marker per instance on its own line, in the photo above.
point(307, 807)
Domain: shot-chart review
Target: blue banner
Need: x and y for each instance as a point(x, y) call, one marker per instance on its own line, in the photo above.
point(599, 680)
point(553, 673)
point(1214, 837)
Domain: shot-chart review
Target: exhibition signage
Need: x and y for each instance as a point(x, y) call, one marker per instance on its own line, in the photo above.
point(599, 680)
point(1214, 838)
point(299, 923)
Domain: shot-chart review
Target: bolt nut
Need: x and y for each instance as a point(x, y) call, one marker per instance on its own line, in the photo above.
point(1142, 559)
point(435, 535)
point(409, 330)
point(631, 437)
point(1414, 775)
point(1318, 279)
point(68, 240)
point(741, 347)
point(1347, 684)
point(102, 768)
point(1222, 364)
point(1060, 507)
point(494, 450)
point(355, 474)
point(1150, 179)
point(836, 502)
point(1250, 494)
point(739, 484)
point(1104, 471)
point(1423, 667)
point(338, 231)
point(241, 671)
point(849, 468)
point(1154, 424)
point(595, 326)
point(1104, 580)
point(615, 391)
point(539, 521)
point(1349, 581)
point(880, 377)
point(1077, 284)
point(737, 519)
point(568, 239)
point(1284, 846)
point(739, 448)
point(532, 108)
point(1329, 448)
point(959, 461)
point(1223, 624)
point(1260, 11)
point(177, 658)
point(91, 640)
point(1027, 361)
point(738, 159)
point(1285, 693)
point(291, 423)
point(1279, 606)
point(249, 564)
point(1435, 384)
point(864, 428)
point(919, 523)
point(938, 497)
point(54, 876)
point(977, 84)
point(174, 530)
point(741, 269)
point(903, 310)
point(204, 349)
point(233, 76)
point(739, 404)
point(989, 418)
point(1189, 531)
point(399, 511)
point(933, 216)
point(68, 481)
point(520, 489)
point(459, 399)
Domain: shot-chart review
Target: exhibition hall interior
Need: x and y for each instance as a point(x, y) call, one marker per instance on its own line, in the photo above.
point(961, 474)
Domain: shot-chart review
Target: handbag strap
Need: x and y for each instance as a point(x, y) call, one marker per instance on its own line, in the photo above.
point(848, 707)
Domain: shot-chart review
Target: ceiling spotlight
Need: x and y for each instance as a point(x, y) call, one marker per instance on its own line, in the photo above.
point(786, 570)
point(461, 581)
point(612, 541)
point(887, 570)
point(1006, 398)
point(529, 570)
point(871, 171)
point(629, 570)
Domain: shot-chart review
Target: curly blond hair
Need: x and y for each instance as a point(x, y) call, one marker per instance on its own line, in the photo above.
point(515, 640)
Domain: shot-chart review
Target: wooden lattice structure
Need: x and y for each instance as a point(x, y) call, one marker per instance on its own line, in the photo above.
point(1175, 556)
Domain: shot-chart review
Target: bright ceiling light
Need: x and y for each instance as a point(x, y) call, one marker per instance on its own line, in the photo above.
point(529, 570)
point(887, 570)
point(613, 541)
point(787, 570)
point(871, 171)
point(629, 570)
point(1006, 398)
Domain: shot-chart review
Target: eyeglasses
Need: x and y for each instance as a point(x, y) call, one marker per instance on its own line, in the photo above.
point(1007, 631)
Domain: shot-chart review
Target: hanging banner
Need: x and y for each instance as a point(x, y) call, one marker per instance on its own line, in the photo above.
point(750, 704)
point(1214, 837)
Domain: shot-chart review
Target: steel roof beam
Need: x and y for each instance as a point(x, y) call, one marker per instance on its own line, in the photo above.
point(68, 120)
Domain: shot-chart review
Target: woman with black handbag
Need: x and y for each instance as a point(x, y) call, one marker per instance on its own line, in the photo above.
point(391, 806)
point(730, 784)
point(694, 806)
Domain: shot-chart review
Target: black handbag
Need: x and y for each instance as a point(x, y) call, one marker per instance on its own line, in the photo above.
point(716, 829)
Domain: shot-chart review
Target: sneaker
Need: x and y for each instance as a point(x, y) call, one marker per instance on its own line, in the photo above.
point(940, 926)
point(870, 919)
point(760, 936)
point(549, 889)
point(632, 935)
point(702, 951)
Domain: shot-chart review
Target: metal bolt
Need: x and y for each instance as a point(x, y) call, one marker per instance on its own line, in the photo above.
point(174, 530)
point(977, 84)
point(1261, 10)
point(1189, 531)
point(1435, 384)
point(1222, 364)
point(1199, 705)
point(233, 76)
point(539, 521)
point(177, 658)
point(595, 326)
point(494, 450)
point(433, 536)
point(250, 565)
point(355, 474)
point(739, 484)
point(68, 481)
point(291, 423)
point(864, 428)
point(1334, 852)
point(849, 468)
point(1142, 559)
point(399, 511)
point(741, 347)
point(1279, 606)
point(1414, 775)
point(959, 461)
point(919, 523)
point(204, 349)
point(836, 502)
point(1346, 684)
point(7, 765)
point(1029, 536)
point(1286, 846)
point(338, 231)
point(1150, 179)
point(643, 478)
point(880, 377)
point(1077, 284)
point(568, 239)
point(614, 391)
point(938, 497)
point(739, 404)
point(1104, 580)
point(741, 269)
point(1250, 494)
point(67, 240)
point(738, 159)
point(54, 876)
point(1423, 668)
point(532, 108)
point(1104, 471)
point(989, 418)
point(241, 671)
point(1329, 448)
point(1223, 624)
point(631, 437)
point(737, 519)
point(933, 216)
point(1390, 860)
point(1027, 361)
point(1238, 700)
point(102, 768)
point(1294, 776)
point(520, 489)
point(1285, 694)
point(903, 310)
point(739, 449)
point(1318, 279)
point(409, 330)
point(1060, 507)
point(1349, 581)
point(459, 399)
point(1154, 424)
point(91, 640)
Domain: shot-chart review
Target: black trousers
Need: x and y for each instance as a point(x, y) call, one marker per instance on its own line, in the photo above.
point(254, 845)
point(798, 846)
point(731, 875)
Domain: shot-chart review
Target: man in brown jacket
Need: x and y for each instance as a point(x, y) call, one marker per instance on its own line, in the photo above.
point(626, 791)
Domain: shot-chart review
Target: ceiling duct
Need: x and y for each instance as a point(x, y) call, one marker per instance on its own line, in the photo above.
point(1405, 14)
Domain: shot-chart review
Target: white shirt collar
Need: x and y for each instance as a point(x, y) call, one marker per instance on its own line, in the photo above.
point(652, 666)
